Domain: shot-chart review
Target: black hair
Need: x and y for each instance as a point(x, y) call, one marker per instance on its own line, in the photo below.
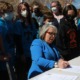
point(69, 7)
point(28, 10)
point(57, 2)
point(48, 15)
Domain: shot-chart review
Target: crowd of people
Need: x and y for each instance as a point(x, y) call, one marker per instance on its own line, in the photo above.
point(37, 38)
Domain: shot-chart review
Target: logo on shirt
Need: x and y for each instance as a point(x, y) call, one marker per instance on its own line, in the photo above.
point(71, 33)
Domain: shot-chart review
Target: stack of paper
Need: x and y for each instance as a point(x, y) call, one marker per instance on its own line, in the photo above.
point(74, 69)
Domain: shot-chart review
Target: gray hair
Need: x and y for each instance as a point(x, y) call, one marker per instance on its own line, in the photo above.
point(45, 28)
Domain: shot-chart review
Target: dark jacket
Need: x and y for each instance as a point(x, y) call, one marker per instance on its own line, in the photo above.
point(67, 40)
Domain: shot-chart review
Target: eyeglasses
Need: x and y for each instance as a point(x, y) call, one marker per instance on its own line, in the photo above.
point(51, 33)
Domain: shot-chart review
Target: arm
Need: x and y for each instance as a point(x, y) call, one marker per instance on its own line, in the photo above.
point(18, 43)
point(37, 55)
point(3, 56)
point(18, 37)
point(38, 58)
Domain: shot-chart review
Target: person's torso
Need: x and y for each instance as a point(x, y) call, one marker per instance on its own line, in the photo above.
point(70, 34)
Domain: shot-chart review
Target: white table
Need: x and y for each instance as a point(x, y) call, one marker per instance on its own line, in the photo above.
point(75, 62)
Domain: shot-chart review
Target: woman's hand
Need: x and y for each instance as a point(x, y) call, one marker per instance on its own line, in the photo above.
point(63, 64)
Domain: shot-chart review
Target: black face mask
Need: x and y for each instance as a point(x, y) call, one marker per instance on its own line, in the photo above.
point(36, 10)
point(70, 17)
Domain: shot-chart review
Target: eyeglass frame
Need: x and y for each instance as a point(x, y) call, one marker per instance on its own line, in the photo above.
point(51, 33)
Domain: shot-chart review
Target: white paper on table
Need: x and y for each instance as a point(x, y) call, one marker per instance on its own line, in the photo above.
point(57, 77)
point(75, 69)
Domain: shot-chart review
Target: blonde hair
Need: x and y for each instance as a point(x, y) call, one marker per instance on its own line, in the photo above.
point(45, 28)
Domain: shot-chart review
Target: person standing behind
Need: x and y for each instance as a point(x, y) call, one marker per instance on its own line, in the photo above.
point(49, 19)
point(6, 40)
point(37, 13)
point(67, 39)
point(44, 54)
point(57, 10)
point(24, 33)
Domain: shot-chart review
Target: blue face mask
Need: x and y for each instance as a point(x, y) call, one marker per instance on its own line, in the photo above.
point(8, 16)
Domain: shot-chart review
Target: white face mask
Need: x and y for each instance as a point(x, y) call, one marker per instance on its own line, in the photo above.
point(24, 13)
point(54, 9)
point(8, 16)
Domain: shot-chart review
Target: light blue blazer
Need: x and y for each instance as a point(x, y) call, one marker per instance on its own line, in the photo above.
point(43, 57)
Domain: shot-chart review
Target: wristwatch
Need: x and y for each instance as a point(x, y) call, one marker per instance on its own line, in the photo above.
point(56, 65)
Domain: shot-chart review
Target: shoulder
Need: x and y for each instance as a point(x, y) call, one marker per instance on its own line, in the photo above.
point(63, 22)
point(17, 23)
point(63, 19)
point(37, 42)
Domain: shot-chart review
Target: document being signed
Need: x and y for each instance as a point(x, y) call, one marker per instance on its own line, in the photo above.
point(75, 69)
